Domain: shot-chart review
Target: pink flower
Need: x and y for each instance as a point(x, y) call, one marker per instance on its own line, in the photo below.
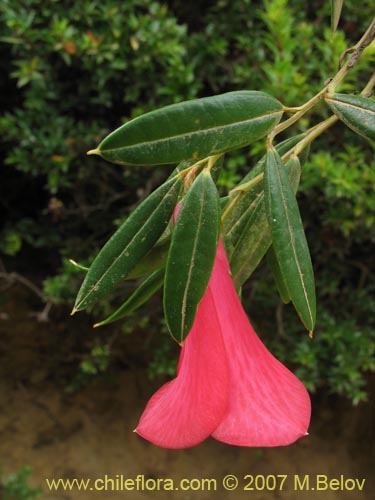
point(228, 385)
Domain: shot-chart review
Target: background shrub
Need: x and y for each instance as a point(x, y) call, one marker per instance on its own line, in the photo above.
point(16, 486)
point(73, 71)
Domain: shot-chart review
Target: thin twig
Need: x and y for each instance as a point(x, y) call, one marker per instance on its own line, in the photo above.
point(330, 87)
point(13, 277)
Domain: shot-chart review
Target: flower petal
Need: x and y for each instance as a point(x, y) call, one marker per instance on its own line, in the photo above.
point(188, 409)
point(268, 405)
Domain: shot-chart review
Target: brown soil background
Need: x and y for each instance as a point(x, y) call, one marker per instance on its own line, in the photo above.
point(89, 433)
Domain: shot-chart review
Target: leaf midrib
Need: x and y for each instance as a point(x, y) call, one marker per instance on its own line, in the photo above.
point(300, 274)
point(255, 204)
point(97, 283)
point(189, 134)
point(349, 105)
point(192, 261)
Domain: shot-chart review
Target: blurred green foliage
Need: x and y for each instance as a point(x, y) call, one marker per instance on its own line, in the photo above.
point(16, 486)
point(73, 71)
point(93, 364)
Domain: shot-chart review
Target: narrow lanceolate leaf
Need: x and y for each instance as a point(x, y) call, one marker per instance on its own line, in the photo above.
point(129, 244)
point(192, 129)
point(277, 275)
point(181, 166)
point(293, 168)
point(251, 233)
point(289, 240)
point(78, 266)
point(224, 201)
point(215, 170)
point(153, 260)
point(357, 112)
point(191, 255)
point(236, 220)
point(146, 290)
point(336, 6)
point(252, 244)
point(282, 148)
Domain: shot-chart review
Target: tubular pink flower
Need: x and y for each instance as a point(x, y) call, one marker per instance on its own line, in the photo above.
point(268, 405)
point(228, 384)
point(185, 411)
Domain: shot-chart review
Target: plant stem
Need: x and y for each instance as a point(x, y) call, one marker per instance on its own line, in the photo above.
point(360, 46)
point(212, 160)
point(367, 91)
point(238, 192)
point(314, 133)
point(318, 129)
point(238, 195)
point(293, 119)
point(311, 134)
point(188, 171)
point(246, 186)
point(356, 52)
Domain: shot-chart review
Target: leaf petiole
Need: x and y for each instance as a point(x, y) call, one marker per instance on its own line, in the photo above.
point(238, 192)
point(246, 186)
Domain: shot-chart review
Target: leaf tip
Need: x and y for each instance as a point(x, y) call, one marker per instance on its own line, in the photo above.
point(93, 152)
point(74, 310)
point(78, 266)
point(311, 334)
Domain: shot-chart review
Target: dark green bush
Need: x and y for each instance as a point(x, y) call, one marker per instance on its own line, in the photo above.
point(76, 70)
point(16, 487)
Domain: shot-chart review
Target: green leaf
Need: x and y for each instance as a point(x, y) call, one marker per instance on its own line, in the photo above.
point(236, 220)
point(357, 112)
point(289, 240)
point(304, 155)
point(278, 276)
point(251, 233)
point(78, 266)
point(191, 256)
point(153, 260)
point(129, 244)
point(293, 168)
point(215, 170)
point(282, 148)
point(181, 166)
point(224, 202)
point(336, 6)
point(141, 295)
point(192, 129)
point(252, 244)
